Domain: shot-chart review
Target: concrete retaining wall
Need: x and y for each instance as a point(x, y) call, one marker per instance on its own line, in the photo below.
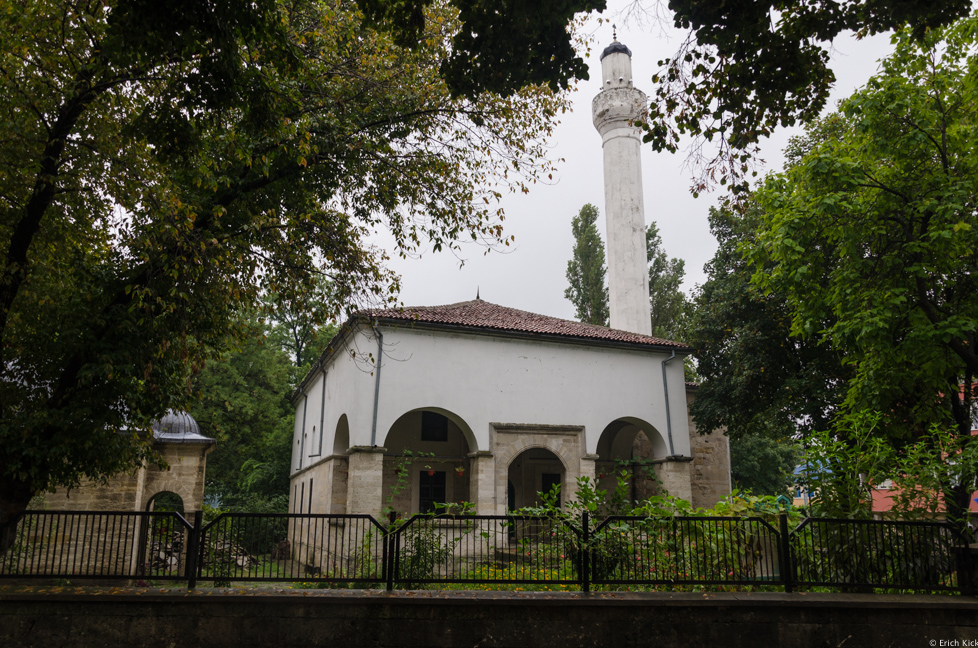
point(70, 617)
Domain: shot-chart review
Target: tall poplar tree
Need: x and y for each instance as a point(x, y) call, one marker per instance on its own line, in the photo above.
point(668, 303)
point(586, 270)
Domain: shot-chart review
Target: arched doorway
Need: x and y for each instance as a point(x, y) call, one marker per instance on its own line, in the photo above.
point(341, 437)
point(165, 501)
point(427, 461)
point(535, 471)
point(162, 545)
point(338, 469)
point(630, 447)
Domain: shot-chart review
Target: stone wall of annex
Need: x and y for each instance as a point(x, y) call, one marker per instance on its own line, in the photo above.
point(710, 468)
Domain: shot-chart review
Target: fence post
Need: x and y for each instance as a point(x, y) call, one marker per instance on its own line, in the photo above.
point(585, 552)
point(966, 566)
point(193, 549)
point(390, 549)
point(787, 571)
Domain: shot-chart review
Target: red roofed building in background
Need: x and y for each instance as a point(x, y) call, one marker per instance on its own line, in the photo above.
point(884, 496)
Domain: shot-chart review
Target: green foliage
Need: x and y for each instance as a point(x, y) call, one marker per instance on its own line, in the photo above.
point(842, 468)
point(669, 304)
point(163, 166)
point(745, 68)
point(586, 275)
point(763, 465)
point(871, 233)
point(499, 51)
point(759, 379)
point(696, 551)
point(244, 405)
point(300, 323)
point(425, 549)
point(586, 269)
point(749, 67)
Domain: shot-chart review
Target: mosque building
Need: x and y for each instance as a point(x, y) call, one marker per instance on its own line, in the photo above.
point(482, 403)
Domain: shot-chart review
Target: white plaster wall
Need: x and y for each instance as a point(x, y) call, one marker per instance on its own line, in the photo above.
point(297, 436)
point(484, 380)
point(349, 382)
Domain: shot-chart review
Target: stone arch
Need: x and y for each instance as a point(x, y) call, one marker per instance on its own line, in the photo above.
point(509, 453)
point(442, 456)
point(341, 436)
point(463, 427)
point(533, 471)
point(630, 444)
point(564, 442)
point(165, 500)
point(161, 483)
point(162, 545)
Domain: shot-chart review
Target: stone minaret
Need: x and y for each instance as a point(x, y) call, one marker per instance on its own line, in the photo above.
point(615, 110)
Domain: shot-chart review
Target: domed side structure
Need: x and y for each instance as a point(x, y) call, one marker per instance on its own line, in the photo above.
point(177, 439)
point(179, 427)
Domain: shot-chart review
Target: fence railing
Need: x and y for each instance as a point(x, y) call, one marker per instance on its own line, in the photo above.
point(879, 553)
point(852, 555)
point(96, 544)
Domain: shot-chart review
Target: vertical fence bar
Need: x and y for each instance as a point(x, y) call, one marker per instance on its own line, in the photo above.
point(964, 564)
point(390, 549)
point(787, 572)
point(193, 544)
point(585, 553)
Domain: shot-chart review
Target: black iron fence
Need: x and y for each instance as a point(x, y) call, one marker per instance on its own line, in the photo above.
point(95, 544)
point(360, 551)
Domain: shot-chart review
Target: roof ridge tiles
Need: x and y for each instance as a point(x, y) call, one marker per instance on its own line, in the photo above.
point(479, 313)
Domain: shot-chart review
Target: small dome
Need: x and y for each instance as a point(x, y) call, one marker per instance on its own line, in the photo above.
point(178, 427)
point(615, 47)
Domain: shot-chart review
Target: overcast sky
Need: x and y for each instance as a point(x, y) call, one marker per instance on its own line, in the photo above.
point(531, 275)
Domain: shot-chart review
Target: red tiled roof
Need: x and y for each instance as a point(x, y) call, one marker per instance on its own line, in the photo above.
point(485, 315)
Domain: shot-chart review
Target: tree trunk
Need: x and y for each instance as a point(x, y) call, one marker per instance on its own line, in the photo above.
point(957, 498)
point(15, 496)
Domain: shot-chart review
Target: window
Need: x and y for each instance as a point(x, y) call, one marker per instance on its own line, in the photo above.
point(318, 452)
point(434, 427)
point(431, 490)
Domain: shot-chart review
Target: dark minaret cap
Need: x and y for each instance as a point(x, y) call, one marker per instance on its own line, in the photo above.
point(615, 47)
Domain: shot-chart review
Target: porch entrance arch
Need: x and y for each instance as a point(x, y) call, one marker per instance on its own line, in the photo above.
point(533, 458)
point(532, 472)
point(631, 445)
point(427, 460)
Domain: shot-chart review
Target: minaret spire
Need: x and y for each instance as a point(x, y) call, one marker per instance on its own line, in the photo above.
point(615, 111)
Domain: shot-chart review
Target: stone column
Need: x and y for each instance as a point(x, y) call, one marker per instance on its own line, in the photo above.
point(482, 483)
point(589, 470)
point(674, 473)
point(365, 483)
point(339, 472)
